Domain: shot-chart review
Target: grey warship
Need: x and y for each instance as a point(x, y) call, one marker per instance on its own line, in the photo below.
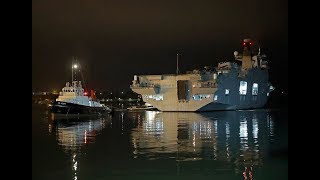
point(232, 85)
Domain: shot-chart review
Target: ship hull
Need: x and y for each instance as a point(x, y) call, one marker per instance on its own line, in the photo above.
point(70, 109)
point(226, 107)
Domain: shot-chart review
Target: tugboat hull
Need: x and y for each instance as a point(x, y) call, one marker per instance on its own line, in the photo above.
point(70, 109)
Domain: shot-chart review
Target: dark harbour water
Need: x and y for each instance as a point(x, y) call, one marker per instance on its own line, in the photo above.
point(157, 145)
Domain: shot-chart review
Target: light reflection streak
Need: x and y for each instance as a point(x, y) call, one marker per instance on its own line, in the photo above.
point(243, 134)
point(189, 136)
point(255, 130)
point(73, 134)
point(227, 139)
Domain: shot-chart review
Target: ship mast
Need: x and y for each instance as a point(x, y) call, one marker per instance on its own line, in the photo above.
point(74, 67)
point(177, 70)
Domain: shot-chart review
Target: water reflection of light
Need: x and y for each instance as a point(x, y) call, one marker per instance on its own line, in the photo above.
point(50, 128)
point(139, 121)
point(215, 149)
point(122, 113)
point(205, 129)
point(90, 126)
point(194, 141)
point(227, 139)
point(255, 130)
point(135, 151)
point(227, 131)
point(192, 136)
point(85, 136)
point(153, 125)
point(271, 127)
point(151, 114)
point(243, 134)
point(74, 166)
point(72, 135)
point(215, 128)
point(209, 129)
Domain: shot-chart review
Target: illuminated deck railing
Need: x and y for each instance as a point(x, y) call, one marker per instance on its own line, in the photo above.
point(205, 85)
point(142, 85)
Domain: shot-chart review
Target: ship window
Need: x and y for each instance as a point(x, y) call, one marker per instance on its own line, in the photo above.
point(255, 89)
point(215, 97)
point(271, 88)
point(200, 96)
point(158, 97)
point(227, 91)
point(243, 88)
point(197, 97)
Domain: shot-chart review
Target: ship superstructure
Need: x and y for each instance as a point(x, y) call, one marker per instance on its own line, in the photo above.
point(239, 84)
point(74, 93)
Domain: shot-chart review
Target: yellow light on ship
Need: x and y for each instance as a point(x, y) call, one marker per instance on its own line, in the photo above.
point(75, 66)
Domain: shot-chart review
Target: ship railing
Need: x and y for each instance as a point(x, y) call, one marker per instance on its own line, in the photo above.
point(205, 85)
point(208, 86)
point(142, 85)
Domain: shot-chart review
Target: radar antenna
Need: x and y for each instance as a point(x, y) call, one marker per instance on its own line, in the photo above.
point(177, 70)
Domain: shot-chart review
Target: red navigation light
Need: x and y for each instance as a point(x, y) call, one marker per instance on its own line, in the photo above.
point(85, 93)
point(247, 44)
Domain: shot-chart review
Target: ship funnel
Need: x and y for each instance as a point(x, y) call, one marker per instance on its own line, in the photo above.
point(247, 40)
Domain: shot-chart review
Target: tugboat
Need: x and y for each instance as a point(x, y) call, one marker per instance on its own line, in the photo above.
point(73, 100)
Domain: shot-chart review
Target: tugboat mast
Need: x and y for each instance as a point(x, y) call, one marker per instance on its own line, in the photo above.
point(75, 66)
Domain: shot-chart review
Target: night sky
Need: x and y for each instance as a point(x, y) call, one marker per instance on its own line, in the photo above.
point(114, 40)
